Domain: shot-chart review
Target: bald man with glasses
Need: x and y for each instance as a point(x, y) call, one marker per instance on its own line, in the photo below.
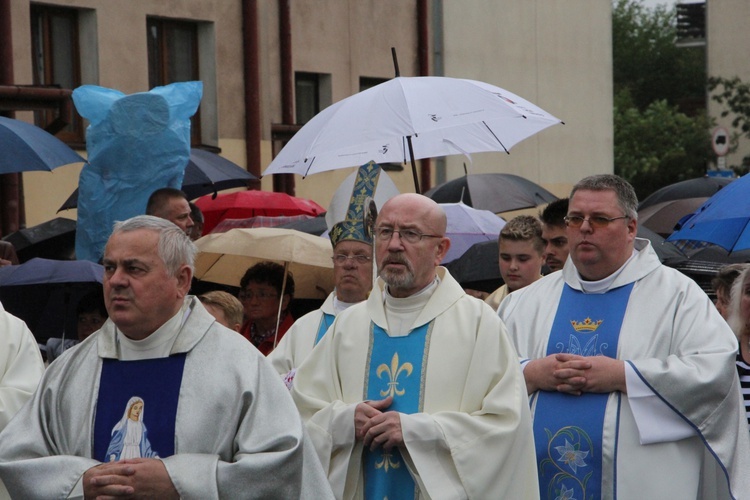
point(417, 392)
point(628, 366)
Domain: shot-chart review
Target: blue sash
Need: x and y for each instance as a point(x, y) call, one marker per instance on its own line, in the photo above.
point(145, 390)
point(325, 322)
point(567, 428)
point(396, 366)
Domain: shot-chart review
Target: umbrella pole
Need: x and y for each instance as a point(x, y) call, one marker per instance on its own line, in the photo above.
point(413, 165)
point(281, 302)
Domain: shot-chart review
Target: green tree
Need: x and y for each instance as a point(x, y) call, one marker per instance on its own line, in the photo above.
point(660, 126)
point(647, 61)
point(659, 145)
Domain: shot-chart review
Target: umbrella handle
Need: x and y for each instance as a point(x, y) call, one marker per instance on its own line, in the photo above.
point(281, 302)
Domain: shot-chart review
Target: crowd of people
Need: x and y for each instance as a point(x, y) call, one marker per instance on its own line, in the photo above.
point(593, 372)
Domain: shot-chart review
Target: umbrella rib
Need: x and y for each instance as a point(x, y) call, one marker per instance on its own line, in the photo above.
point(307, 172)
point(496, 138)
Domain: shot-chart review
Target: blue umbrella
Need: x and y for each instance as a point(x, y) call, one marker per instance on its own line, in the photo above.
point(45, 293)
point(27, 147)
point(721, 220)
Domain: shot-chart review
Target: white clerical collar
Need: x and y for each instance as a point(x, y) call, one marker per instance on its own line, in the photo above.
point(603, 285)
point(340, 305)
point(401, 313)
point(159, 343)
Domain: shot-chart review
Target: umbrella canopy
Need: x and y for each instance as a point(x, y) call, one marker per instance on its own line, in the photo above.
point(26, 147)
point(664, 216)
point(45, 293)
point(258, 221)
point(722, 219)
point(224, 257)
point(411, 118)
point(316, 225)
point(205, 173)
point(701, 187)
point(245, 204)
point(467, 226)
point(494, 192)
point(53, 239)
point(478, 267)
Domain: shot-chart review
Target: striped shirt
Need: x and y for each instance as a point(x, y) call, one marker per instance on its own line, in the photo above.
point(743, 370)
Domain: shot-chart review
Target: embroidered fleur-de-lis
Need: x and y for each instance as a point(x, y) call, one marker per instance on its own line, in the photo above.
point(388, 462)
point(394, 371)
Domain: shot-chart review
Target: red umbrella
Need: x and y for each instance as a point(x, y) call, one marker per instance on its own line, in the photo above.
point(244, 204)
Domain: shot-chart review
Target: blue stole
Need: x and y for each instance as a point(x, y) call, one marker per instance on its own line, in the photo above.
point(156, 383)
point(396, 366)
point(325, 322)
point(568, 429)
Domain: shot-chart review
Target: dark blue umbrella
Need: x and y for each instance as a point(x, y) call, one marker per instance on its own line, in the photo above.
point(721, 220)
point(45, 293)
point(205, 173)
point(26, 147)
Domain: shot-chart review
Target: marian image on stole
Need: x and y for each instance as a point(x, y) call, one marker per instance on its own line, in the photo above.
point(136, 408)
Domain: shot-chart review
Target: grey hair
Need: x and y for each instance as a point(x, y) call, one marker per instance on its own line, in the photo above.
point(735, 319)
point(175, 248)
point(625, 193)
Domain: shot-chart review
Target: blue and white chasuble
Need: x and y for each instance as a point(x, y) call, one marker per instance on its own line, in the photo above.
point(569, 442)
point(154, 385)
point(326, 320)
point(396, 367)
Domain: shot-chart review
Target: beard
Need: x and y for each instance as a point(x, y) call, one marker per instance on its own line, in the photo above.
point(395, 279)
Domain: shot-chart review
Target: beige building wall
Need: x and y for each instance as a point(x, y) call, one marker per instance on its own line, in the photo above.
point(554, 53)
point(728, 41)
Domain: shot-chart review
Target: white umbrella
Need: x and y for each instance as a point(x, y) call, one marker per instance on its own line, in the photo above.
point(411, 118)
point(467, 226)
point(224, 257)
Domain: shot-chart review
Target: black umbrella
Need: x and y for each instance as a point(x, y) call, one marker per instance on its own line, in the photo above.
point(45, 293)
point(477, 268)
point(494, 192)
point(205, 173)
point(54, 239)
point(700, 187)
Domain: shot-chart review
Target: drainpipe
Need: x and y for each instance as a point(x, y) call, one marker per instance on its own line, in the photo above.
point(252, 89)
point(285, 182)
point(10, 184)
point(423, 54)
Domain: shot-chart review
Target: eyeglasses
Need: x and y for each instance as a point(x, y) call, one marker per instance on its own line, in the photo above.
point(407, 235)
point(340, 259)
point(597, 221)
point(260, 295)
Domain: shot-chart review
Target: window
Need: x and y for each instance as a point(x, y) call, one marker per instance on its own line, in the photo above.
point(56, 60)
point(312, 94)
point(173, 57)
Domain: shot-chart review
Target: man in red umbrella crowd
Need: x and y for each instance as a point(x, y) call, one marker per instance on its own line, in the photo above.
point(171, 204)
point(262, 288)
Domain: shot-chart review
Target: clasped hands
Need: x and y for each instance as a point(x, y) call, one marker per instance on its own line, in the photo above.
point(573, 374)
point(131, 478)
point(376, 427)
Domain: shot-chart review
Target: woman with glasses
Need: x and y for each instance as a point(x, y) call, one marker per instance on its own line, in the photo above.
point(260, 294)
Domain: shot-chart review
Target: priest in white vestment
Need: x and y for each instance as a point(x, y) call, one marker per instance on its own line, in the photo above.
point(21, 368)
point(220, 420)
point(629, 367)
point(417, 392)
